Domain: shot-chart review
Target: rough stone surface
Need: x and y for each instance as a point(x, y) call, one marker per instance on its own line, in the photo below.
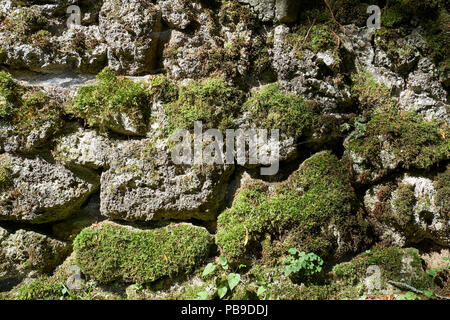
point(39, 192)
point(406, 213)
point(143, 183)
point(27, 253)
point(131, 30)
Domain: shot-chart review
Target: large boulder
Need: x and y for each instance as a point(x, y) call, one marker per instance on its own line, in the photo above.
point(109, 251)
point(36, 191)
point(143, 183)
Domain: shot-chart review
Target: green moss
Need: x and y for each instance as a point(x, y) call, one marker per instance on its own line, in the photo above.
point(403, 203)
point(162, 89)
point(315, 38)
point(397, 12)
point(271, 108)
point(23, 22)
point(433, 15)
point(438, 39)
point(211, 101)
point(47, 288)
point(9, 95)
point(27, 108)
point(3, 55)
point(417, 143)
point(37, 109)
point(101, 103)
point(112, 252)
point(317, 194)
point(42, 39)
point(232, 12)
point(370, 93)
point(4, 169)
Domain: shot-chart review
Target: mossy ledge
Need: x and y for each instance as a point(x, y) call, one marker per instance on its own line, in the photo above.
point(111, 252)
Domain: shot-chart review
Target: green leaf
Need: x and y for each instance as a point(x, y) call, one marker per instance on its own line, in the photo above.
point(292, 251)
point(432, 272)
point(233, 280)
point(287, 270)
point(261, 291)
point(202, 295)
point(222, 291)
point(210, 268)
point(428, 293)
point(224, 262)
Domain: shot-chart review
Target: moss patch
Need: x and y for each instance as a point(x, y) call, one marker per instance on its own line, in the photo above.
point(27, 108)
point(442, 198)
point(101, 104)
point(112, 252)
point(9, 95)
point(211, 101)
point(370, 93)
point(271, 108)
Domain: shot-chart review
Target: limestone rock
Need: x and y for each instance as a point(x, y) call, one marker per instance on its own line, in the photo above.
point(37, 191)
point(24, 253)
point(131, 30)
point(409, 211)
point(143, 183)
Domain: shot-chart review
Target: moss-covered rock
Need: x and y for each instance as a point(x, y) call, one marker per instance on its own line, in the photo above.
point(212, 101)
point(112, 252)
point(29, 116)
point(9, 95)
point(370, 271)
point(314, 210)
point(118, 104)
point(369, 93)
point(394, 140)
point(272, 108)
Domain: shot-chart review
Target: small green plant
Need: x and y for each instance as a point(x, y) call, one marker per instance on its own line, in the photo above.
point(436, 272)
point(9, 95)
point(301, 262)
point(263, 289)
point(408, 296)
point(225, 282)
